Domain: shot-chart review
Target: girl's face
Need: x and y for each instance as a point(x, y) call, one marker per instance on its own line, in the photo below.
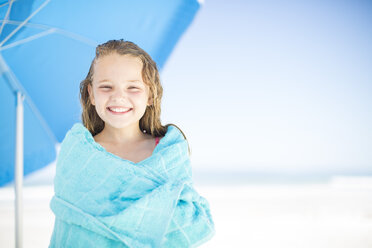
point(119, 94)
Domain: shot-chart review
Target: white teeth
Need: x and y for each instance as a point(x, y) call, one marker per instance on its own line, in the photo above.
point(119, 109)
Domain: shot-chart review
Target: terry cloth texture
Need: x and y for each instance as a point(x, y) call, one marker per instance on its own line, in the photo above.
point(102, 200)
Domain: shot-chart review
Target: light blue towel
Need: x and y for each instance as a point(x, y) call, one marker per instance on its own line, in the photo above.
point(102, 200)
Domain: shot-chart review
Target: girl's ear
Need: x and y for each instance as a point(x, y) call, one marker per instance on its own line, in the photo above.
point(91, 96)
point(150, 101)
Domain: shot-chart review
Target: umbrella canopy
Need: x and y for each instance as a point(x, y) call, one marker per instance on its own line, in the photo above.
point(46, 48)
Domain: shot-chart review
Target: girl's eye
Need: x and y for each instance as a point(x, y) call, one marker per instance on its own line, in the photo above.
point(109, 87)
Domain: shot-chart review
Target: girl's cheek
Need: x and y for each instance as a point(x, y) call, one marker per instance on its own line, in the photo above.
point(101, 96)
point(139, 96)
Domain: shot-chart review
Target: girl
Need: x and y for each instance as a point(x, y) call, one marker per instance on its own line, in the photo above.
point(122, 178)
point(118, 67)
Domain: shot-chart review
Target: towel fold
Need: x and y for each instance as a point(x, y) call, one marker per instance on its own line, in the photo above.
point(102, 200)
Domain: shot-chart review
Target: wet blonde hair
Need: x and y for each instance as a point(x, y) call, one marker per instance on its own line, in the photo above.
point(150, 121)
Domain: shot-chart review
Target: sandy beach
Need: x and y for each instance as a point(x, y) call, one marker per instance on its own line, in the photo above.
point(330, 215)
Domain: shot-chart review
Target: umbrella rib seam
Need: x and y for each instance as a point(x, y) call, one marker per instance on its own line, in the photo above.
point(24, 22)
point(6, 15)
point(28, 39)
point(63, 32)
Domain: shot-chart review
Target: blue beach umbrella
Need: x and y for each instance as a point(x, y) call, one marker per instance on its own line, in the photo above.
point(46, 48)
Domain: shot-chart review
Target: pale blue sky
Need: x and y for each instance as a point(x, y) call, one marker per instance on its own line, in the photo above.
point(275, 86)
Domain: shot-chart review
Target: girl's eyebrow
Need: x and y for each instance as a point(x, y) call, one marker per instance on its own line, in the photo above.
point(108, 81)
point(134, 81)
point(104, 81)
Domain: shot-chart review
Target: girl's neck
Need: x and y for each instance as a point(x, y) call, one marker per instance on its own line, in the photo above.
point(128, 135)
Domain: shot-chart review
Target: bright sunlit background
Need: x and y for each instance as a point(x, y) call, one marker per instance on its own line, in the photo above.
point(275, 85)
point(275, 100)
point(275, 97)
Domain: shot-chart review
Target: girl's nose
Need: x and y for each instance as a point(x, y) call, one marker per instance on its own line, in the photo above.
point(119, 94)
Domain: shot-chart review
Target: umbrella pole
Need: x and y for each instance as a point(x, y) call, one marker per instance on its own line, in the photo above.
point(19, 173)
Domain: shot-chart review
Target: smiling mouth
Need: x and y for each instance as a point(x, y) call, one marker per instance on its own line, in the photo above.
point(118, 110)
